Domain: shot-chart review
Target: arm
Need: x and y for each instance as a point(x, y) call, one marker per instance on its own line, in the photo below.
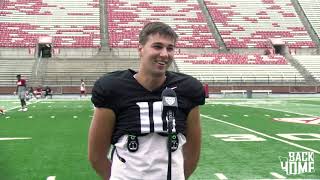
point(99, 142)
point(191, 150)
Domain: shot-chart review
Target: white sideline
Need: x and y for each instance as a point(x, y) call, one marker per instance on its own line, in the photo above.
point(262, 134)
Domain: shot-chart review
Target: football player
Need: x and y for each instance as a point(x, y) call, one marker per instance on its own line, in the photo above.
point(82, 88)
point(21, 92)
point(128, 115)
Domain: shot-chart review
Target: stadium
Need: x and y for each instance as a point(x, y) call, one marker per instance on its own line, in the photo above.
point(259, 61)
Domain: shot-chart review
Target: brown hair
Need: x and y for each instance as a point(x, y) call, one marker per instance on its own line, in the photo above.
point(154, 28)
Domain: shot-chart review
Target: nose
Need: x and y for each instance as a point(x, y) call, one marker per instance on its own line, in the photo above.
point(164, 53)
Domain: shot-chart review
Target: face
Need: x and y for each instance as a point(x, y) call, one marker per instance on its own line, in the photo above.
point(156, 55)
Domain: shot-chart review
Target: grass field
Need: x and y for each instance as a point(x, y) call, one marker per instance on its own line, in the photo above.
point(241, 139)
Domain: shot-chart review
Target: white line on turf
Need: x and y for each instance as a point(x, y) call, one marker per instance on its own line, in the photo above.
point(262, 134)
point(14, 138)
point(276, 175)
point(281, 179)
point(277, 110)
point(16, 107)
point(51, 178)
point(221, 176)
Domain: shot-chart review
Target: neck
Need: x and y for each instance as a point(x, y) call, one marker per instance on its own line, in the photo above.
point(149, 82)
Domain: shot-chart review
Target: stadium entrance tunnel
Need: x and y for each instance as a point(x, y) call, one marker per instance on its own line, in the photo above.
point(44, 50)
point(279, 49)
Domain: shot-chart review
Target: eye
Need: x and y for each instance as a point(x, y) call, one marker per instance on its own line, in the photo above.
point(157, 47)
point(170, 48)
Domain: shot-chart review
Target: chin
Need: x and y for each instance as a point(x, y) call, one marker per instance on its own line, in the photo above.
point(159, 73)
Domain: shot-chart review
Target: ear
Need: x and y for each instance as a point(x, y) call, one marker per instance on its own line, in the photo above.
point(140, 50)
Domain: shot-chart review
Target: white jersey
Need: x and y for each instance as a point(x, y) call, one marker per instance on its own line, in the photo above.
point(82, 86)
point(150, 161)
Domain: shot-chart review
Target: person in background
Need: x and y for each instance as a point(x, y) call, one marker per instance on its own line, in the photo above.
point(21, 92)
point(38, 92)
point(48, 92)
point(83, 88)
point(128, 115)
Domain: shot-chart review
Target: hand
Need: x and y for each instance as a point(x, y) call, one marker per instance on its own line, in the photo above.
point(14, 93)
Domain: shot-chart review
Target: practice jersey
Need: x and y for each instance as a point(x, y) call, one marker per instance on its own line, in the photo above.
point(82, 86)
point(139, 111)
point(21, 85)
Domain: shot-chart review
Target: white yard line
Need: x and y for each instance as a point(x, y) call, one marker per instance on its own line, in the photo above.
point(51, 178)
point(16, 107)
point(279, 176)
point(279, 110)
point(221, 176)
point(262, 134)
point(13, 138)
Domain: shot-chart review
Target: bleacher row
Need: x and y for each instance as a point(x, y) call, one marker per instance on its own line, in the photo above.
point(246, 24)
point(69, 23)
point(222, 58)
point(241, 23)
point(231, 68)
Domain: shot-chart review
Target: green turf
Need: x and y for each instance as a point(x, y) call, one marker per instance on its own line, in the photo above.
point(59, 139)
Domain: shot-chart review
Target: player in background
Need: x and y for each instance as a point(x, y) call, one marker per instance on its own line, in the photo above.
point(83, 88)
point(21, 92)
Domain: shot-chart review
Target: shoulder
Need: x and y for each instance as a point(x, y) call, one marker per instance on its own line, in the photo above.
point(187, 87)
point(114, 77)
point(114, 80)
point(109, 88)
point(184, 80)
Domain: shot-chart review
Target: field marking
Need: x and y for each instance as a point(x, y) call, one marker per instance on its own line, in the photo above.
point(16, 107)
point(14, 138)
point(262, 134)
point(279, 176)
point(51, 178)
point(283, 179)
point(312, 115)
point(221, 176)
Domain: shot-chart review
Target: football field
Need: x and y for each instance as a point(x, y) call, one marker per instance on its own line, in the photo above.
point(242, 139)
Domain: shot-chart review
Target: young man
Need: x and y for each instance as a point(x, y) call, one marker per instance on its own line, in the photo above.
point(128, 115)
point(82, 88)
point(21, 92)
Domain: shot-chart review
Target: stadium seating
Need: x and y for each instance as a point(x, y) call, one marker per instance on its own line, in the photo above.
point(126, 18)
point(243, 24)
point(10, 68)
point(247, 24)
point(236, 68)
point(311, 63)
point(69, 72)
point(312, 11)
point(70, 23)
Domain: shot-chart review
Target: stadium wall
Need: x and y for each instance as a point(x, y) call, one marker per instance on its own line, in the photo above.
point(274, 89)
point(212, 89)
